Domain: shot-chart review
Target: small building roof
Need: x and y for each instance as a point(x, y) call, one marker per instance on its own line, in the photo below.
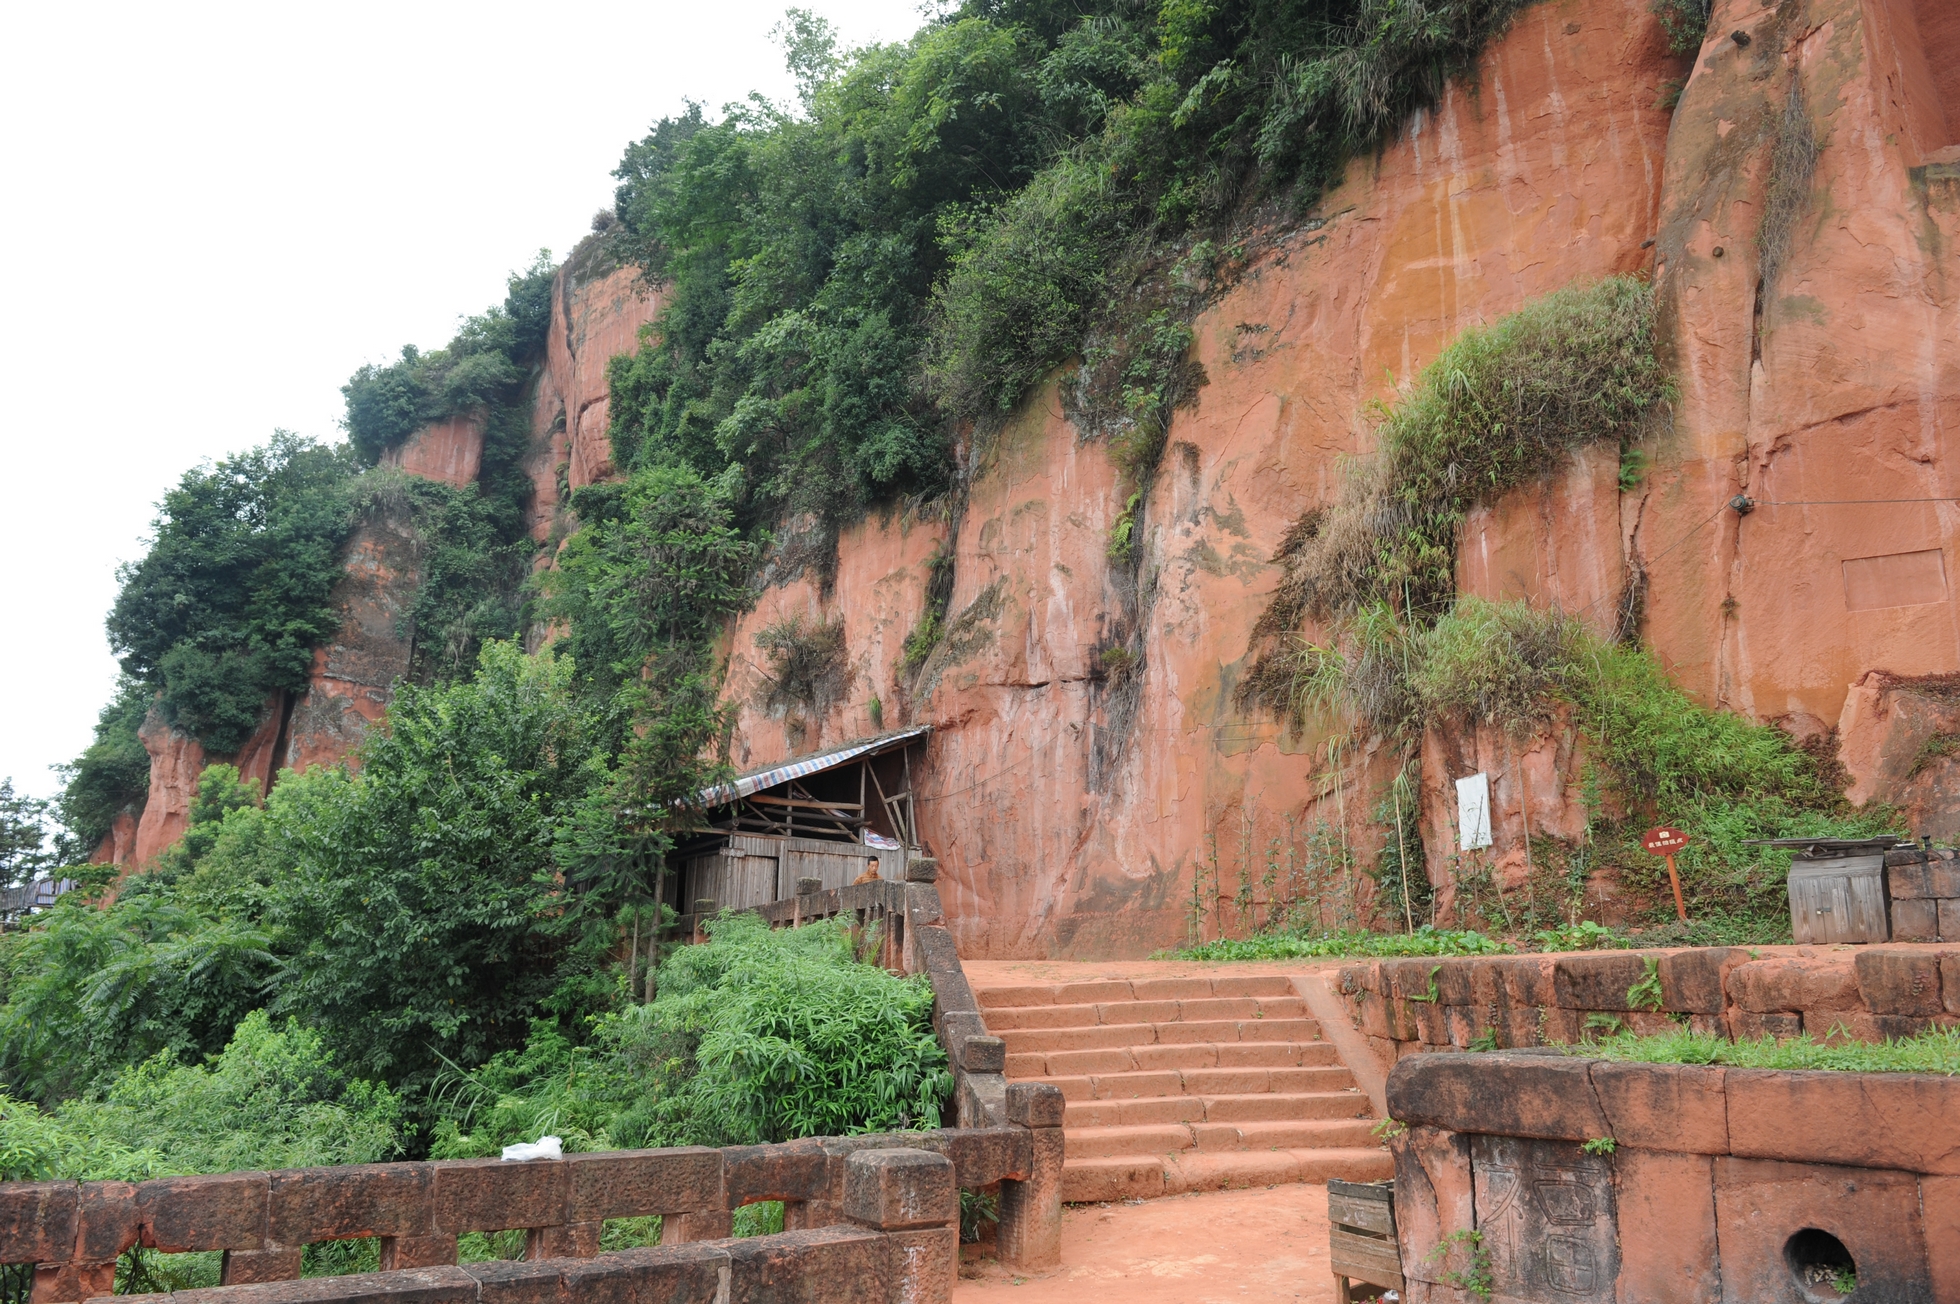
point(755, 781)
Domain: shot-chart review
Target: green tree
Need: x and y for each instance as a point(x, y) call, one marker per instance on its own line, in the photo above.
point(233, 595)
point(24, 849)
point(421, 908)
point(111, 777)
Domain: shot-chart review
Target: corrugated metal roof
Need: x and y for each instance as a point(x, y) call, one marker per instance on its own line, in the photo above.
point(750, 784)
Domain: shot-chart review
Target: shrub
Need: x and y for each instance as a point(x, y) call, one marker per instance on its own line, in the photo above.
point(111, 777)
point(421, 907)
point(809, 664)
point(1684, 21)
point(482, 368)
point(755, 1036)
point(1501, 405)
point(273, 1098)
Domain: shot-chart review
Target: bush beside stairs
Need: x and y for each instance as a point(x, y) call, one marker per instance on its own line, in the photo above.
point(1187, 1084)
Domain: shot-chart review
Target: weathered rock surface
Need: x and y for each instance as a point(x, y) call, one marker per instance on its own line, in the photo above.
point(593, 318)
point(353, 676)
point(450, 451)
point(1090, 778)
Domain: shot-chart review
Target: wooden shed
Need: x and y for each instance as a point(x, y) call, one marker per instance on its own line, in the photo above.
point(835, 816)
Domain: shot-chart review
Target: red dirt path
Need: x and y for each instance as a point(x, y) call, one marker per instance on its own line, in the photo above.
point(1219, 1247)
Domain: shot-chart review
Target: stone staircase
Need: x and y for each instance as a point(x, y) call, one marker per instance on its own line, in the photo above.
point(1187, 1084)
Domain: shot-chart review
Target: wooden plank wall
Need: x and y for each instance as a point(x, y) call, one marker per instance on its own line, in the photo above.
point(753, 871)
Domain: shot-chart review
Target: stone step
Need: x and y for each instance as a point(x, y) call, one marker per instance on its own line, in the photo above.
point(1329, 1075)
point(1178, 1056)
point(1013, 1018)
point(1146, 1176)
point(1137, 989)
point(1028, 1041)
point(1265, 1106)
point(1168, 1138)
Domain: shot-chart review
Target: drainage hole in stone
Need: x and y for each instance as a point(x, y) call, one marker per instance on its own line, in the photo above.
point(1822, 1266)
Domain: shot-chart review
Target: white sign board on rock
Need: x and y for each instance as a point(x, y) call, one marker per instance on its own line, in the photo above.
point(1473, 811)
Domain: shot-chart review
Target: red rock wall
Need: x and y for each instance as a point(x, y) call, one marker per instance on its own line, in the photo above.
point(176, 760)
point(593, 318)
point(1845, 387)
point(1077, 803)
point(1062, 830)
point(1072, 813)
point(450, 451)
point(353, 677)
point(878, 593)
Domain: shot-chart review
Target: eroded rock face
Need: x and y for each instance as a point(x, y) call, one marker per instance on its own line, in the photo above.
point(878, 591)
point(1089, 765)
point(593, 318)
point(353, 677)
point(1090, 780)
point(176, 761)
point(450, 451)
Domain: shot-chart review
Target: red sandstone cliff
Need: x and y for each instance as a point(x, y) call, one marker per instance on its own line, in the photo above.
point(596, 313)
point(1075, 801)
point(1072, 810)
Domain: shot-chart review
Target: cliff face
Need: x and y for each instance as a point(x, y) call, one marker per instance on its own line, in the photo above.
point(1075, 795)
point(594, 317)
point(351, 684)
point(1090, 779)
point(1079, 799)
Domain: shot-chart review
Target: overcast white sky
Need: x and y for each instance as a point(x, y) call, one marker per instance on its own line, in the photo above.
point(216, 212)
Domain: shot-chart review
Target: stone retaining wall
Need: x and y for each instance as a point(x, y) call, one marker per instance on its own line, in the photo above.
point(1507, 1002)
point(840, 1197)
point(1709, 1175)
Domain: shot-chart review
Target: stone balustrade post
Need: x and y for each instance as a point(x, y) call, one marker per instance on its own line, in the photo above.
point(910, 1196)
point(1030, 1234)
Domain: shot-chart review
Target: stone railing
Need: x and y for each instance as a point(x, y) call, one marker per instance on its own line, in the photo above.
point(867, 1218)
point(1539, 1175)
point(1510, 1002)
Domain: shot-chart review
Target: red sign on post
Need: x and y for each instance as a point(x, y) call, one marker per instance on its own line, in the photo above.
point(1665, 841)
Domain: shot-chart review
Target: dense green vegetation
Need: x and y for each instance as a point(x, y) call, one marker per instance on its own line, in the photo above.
point(232, 597)
point(273, 1098)
point(443, 971)
point(942, 221)
point(755, 1036)
point(24, 849)
point(421, 952)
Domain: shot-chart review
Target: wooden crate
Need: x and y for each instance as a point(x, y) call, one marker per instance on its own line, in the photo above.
point(1361, 1245)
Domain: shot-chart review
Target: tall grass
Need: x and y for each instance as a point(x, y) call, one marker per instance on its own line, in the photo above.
point(1501, 405)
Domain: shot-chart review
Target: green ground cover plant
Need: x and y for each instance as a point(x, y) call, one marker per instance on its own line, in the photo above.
point(1502, 406)
point(1934, 1051)
point(1425, 940)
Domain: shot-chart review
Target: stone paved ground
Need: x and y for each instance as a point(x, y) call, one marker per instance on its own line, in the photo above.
point(1218, 1247)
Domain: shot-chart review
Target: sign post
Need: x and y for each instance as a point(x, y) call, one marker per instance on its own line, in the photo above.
point(1665, 841)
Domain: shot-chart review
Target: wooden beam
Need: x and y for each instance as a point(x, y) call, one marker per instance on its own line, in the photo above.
point(802, 804)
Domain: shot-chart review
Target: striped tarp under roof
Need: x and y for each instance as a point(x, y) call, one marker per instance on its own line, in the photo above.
point(750, 784)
